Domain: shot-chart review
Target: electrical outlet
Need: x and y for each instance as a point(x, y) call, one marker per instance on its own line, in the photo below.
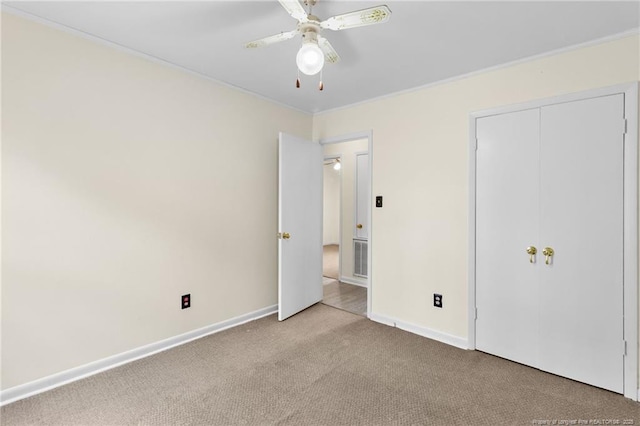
point(185, 301)
point(437, 300)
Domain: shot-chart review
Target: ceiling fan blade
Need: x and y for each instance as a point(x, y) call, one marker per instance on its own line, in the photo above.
point(373, 15)
point(295, 9)
point(271, 39)
point(330, 54)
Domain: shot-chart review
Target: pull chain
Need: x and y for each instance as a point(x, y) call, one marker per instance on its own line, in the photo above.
point(321, 84)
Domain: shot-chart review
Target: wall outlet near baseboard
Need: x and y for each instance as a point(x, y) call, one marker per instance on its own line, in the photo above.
point(437, 300)
point(185, 301)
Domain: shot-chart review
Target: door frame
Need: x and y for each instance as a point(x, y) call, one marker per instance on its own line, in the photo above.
point(339, 157)
point(630, 220)
point(348, 138)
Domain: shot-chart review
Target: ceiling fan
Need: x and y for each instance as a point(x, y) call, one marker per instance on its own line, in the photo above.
point(335, 162)
point(315, 48)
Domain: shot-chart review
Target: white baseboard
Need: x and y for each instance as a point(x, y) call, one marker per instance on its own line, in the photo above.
point(354, 281)
point(449, 339)
point(16, 393)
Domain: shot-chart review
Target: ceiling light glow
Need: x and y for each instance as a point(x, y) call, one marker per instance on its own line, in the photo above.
point(310, 59)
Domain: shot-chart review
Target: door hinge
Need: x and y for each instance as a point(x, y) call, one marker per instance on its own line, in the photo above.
point(624, 126)
point(624, 348)
point(476, 144)
point(476, 313)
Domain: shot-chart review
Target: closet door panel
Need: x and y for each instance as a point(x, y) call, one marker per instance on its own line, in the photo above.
point(581, 219)
point(506, 224)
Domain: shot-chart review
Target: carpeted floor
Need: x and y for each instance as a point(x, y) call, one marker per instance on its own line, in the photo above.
point(321, 367)
point(330, 261)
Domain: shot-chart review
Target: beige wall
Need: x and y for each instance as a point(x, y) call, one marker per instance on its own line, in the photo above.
point(125, 184)
point(115, 201)
point(420, 166)
point(347, 150)
point(330, 205)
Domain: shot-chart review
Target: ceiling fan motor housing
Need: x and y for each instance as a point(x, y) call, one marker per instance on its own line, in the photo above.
point(310, 30)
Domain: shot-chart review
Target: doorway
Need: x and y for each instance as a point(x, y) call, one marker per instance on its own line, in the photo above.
point(346, 196)
point(300, 239)
point(331, 193)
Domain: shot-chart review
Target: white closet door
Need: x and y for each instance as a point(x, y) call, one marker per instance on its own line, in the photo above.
point(581, 213)
point(507, 189)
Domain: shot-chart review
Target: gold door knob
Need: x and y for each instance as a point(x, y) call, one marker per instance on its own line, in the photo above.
point(548, 254)
point(359, 226)
point(531, 251)
point(285, 236)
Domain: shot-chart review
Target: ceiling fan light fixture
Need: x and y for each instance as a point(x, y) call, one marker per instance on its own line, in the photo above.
point(316, 49)
point(310, 58)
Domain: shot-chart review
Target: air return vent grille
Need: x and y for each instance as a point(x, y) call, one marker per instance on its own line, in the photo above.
point(360, 249)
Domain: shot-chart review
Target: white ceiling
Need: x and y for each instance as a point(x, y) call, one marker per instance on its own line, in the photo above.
point(424, 42)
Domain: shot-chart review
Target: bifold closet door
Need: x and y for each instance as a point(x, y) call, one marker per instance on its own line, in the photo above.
point(552, 178)
point(581, 218)
point(507, 215)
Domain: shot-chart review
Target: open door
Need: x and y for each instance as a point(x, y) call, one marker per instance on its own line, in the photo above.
point(299, 224)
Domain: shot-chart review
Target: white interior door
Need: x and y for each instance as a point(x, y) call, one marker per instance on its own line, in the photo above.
point(299, 224)
point(506, 224)
point(362, 196)
point(581, 218)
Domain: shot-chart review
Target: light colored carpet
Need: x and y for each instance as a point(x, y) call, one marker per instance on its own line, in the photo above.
point(349, 297)
point(321, 367)
point(330, 261)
